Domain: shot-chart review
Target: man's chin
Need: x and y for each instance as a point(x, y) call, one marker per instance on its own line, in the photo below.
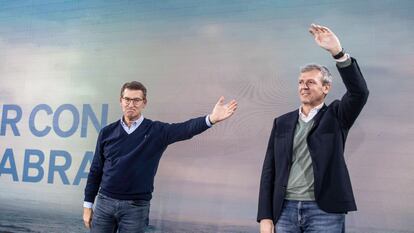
point(303, 101)
point(131, 116)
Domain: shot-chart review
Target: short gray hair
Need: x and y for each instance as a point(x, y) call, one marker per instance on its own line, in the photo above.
point(326, 75)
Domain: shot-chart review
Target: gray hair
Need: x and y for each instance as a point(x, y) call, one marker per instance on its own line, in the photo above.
point(326, 75)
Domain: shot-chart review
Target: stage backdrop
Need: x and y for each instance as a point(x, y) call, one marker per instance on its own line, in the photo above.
point(62, 64)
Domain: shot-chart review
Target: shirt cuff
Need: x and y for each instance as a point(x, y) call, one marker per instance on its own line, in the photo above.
point(344, 61)
point(208, 121)
point(87, 204)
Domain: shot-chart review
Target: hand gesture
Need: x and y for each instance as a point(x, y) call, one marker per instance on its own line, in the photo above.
point(325, 38)
point(222, 111)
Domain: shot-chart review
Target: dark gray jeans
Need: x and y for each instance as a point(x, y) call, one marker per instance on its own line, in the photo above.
point(126, 216)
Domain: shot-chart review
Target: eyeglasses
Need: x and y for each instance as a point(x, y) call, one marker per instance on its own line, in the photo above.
point(134, 101)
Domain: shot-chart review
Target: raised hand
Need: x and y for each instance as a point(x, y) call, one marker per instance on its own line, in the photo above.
point(222, 111)
point(325, 38)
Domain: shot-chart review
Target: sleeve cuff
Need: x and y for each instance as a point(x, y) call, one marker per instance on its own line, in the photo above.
point(87, 204)
point(344, 61)
point(208, 121)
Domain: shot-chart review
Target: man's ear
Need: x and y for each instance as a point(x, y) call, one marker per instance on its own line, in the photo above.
point(326, 88)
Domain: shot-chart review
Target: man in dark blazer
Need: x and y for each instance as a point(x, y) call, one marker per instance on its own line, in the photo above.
point(305, 185)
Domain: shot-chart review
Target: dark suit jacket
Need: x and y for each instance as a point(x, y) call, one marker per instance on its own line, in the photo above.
point(326, 142)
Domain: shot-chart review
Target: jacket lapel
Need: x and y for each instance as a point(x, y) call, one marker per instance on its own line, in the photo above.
point(318, 117)
point(291, 124)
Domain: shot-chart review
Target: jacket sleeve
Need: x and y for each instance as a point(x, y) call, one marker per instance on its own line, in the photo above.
point(265, 209)
point(95, 174)
point(356, 94)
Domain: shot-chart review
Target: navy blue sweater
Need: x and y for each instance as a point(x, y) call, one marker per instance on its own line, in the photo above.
point(124, 165)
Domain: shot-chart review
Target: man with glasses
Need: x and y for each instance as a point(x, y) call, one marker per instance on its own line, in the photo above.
point(305, 186)
point(126, 159)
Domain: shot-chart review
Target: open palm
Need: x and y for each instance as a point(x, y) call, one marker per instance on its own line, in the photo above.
point(325, 38)
point(222, 111)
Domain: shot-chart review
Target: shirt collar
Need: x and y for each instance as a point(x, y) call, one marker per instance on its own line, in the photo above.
point(312, 113)
point(135, 123)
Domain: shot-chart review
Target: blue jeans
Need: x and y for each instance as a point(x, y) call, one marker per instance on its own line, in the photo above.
point(306, 217)
point(126, 216)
